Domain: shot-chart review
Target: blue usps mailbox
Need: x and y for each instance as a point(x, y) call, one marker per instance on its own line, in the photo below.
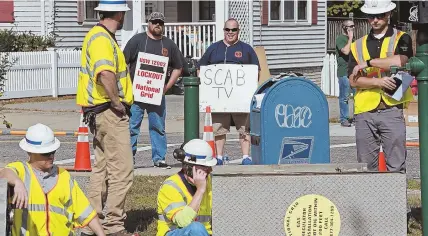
point(289, 123)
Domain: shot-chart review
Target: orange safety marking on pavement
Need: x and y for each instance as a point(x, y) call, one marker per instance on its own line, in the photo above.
point(412, 144)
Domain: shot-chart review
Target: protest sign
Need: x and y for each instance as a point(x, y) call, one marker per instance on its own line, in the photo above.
point(227, 87)
point(149, 78)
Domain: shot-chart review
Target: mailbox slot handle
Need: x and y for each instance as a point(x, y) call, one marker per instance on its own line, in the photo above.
point(255, 139)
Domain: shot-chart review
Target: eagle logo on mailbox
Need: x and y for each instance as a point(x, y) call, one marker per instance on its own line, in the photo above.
point(296, 150)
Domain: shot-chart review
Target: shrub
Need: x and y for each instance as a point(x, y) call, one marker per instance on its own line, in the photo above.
point(13, 41)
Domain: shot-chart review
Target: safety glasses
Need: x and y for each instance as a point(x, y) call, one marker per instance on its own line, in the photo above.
point(378, 16)
point(155, 22)
point(229, 30)
point(48, 154)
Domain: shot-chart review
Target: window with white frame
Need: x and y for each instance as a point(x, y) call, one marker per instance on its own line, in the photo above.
point(289, 11)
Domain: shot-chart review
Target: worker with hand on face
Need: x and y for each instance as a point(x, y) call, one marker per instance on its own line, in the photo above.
point(47, 199)
point(185, 199)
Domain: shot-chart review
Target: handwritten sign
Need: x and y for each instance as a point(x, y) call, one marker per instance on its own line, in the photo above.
point(149, 78)
point(227, 87)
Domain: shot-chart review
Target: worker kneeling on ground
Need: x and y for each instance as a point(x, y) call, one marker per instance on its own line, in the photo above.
point(185, 199)
point(47, 199)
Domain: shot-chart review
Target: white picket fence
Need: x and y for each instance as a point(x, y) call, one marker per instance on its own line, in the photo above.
point(43, 73)
point(329, 79)
point(55, 72)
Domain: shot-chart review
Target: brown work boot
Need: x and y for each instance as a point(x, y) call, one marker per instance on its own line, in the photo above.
point(123, 233)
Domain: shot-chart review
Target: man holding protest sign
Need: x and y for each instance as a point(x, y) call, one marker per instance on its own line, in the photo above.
point(149, 55)
point(231, 51)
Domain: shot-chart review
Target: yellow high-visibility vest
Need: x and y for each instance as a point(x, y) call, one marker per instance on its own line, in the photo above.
point(100, 52)
point(173, 197)
point(56, 213)
point(368, 99)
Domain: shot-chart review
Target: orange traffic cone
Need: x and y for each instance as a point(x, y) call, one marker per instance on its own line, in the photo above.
point(382, 160)
point(83, 155)
point(208, 130)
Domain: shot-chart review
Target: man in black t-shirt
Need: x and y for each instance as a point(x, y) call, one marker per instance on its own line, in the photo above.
point(153, 42)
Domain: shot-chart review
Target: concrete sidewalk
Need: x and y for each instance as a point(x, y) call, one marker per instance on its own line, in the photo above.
point(64, 115)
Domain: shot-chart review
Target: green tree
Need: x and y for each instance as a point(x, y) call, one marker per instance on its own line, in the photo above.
point(343, 8)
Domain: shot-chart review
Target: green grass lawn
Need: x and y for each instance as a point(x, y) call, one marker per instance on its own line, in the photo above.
point(141, 206)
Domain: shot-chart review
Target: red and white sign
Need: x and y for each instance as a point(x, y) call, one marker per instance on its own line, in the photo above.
point(149, 78)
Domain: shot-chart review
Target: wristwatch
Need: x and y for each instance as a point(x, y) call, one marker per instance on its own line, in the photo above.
point(368, 63)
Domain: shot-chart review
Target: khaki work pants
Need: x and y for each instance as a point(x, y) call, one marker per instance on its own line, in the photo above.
point(112, 172)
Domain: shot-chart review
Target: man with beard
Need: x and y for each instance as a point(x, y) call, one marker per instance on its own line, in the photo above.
point(230, 50)
point(153, 42)
point(105, 94)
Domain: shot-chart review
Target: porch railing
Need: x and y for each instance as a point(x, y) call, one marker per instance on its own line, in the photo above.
point(192, 38)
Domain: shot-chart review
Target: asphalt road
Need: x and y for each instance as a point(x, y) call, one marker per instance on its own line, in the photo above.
point(339, 153)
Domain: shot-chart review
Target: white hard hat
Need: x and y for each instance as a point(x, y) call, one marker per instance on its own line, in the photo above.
point(377, 6)
point(39, 139)
point(199, 152)
point(112, 5)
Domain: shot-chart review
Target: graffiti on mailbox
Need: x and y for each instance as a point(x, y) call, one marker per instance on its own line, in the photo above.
point(288, 116)
point(295, 150)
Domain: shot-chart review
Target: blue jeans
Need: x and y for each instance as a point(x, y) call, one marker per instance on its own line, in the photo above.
point(344, 89)
point(194, 229)
point(157, 115)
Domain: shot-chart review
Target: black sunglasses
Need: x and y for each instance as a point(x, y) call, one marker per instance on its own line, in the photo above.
point(48, 154)
point(233, 29)
point(378, 16)
point(155, 22)
point(350, 26)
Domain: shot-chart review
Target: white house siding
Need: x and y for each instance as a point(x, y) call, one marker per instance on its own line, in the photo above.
point(293, 48)
point(170, 11)
point(28, 17)
point(70, 34)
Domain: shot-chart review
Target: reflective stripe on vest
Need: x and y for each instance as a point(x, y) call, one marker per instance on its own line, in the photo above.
point(362, 43)
point(119, 75)
point(42, 207)
point(172, 206)
point(368, 99)
point(27, 184)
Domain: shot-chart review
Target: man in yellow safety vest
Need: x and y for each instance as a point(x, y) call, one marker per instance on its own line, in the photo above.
point(105, 94)
point(47, 199)
point(378, 117)
point(185, 199)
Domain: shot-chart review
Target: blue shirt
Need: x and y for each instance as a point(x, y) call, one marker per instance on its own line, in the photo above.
point(219, 53)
